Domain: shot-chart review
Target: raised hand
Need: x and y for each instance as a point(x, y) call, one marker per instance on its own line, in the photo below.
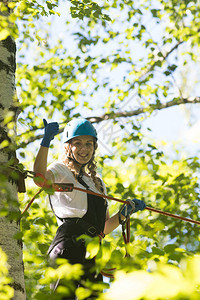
point(50, 130)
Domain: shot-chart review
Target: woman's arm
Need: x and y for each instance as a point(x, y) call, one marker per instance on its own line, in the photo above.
point(111, 223)
point(40, 165)
point(50, 130)
point(129, 209)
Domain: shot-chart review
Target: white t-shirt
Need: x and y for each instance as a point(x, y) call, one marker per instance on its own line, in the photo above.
point(69, 204)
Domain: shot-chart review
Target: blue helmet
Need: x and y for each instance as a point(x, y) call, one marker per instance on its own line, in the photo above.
point(78, 127)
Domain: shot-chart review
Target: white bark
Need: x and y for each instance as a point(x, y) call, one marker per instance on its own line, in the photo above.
point(8, 228)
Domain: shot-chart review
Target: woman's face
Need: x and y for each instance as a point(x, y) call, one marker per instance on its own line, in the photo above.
point(82, 148)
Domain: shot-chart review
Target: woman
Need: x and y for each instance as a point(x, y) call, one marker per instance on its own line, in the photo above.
point(77, 212)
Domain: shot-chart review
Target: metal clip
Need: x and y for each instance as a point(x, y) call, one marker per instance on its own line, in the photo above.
point(130, 202)
point(127, 216)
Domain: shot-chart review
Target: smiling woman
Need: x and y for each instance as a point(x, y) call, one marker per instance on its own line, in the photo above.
point(82, 148)
point(77, 212)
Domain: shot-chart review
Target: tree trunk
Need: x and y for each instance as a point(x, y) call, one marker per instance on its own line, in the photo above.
point(9, 227)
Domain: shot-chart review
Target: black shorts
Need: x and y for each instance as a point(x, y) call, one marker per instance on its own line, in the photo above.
point(74, 252)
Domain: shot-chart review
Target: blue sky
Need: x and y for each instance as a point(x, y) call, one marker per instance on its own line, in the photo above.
point(173, 128)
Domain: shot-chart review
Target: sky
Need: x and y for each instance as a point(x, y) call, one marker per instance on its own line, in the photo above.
point(173, 128)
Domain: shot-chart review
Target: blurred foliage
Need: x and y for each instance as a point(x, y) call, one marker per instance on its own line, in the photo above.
point(111, 59)
point(164, 282)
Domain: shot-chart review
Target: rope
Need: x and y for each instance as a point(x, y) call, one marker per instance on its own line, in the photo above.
point(69, 187)
point(108, 272)
point(172, 215)
point(29, 204)
point(61, 188)
point(124, 201)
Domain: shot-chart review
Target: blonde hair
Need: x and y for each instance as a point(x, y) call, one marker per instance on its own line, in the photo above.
point(89, 169)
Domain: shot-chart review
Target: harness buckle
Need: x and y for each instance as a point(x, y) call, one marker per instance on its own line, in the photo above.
point(92, 230)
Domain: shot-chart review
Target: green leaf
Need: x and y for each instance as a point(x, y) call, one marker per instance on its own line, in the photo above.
point(170, 248)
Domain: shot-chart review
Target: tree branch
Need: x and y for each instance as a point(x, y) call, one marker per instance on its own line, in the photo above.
point(162, 59)
point(136, 112)
point(122, 114)
point(125, 114)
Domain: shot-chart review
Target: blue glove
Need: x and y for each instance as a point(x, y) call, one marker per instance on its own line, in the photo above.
point(50, 130)
point(129, 209)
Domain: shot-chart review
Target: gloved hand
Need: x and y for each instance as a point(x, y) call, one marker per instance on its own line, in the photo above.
point(50, 130)
point(128, 209)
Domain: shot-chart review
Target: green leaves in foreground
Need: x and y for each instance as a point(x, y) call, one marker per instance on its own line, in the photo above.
point(165, 282)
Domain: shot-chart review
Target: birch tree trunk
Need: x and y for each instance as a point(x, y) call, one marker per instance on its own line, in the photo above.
point(8, 190)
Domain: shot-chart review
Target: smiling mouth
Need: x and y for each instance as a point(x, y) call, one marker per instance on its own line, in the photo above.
point(83, 156)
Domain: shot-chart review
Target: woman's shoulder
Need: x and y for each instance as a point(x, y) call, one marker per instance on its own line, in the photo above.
point(57, 165)
point(59, 171)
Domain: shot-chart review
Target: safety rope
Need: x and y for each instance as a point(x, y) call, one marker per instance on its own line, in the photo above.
point(42, 182)
point(69, 187)
point(147, 207)
point(66, 187)
point(29, 204)
point(172, 215)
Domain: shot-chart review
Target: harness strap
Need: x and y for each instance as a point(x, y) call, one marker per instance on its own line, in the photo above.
point(87, 227)
point(82, 182)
